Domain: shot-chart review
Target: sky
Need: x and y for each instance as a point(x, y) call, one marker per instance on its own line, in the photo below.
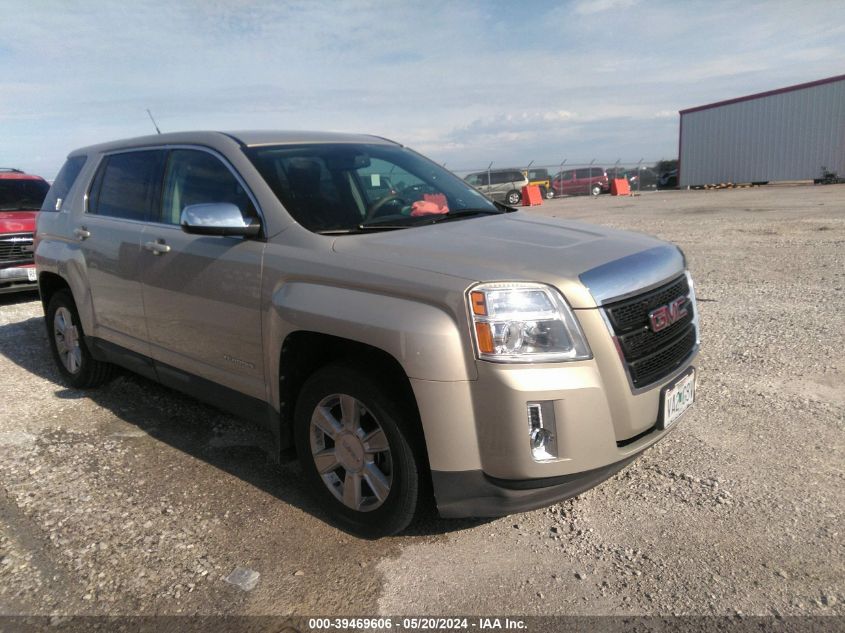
point(464, 82)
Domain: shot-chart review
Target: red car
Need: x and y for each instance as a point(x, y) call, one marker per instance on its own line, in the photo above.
point(581, 181)
point(21, 196)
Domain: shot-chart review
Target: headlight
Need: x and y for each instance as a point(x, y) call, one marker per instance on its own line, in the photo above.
point(524, 323)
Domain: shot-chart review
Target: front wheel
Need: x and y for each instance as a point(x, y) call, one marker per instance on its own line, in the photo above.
point(513, 197)
point(67, 343)
point(353, 441)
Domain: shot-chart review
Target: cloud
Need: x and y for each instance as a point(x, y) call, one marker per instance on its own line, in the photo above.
point(465, 82)
point(589, 7)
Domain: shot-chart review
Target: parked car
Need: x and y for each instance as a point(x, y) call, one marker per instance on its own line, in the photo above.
point(21, 195)
point(581, 181)
point(422, 338)
point(541, 178)
point(668, 179)
point(642, 179)
point(504, 185)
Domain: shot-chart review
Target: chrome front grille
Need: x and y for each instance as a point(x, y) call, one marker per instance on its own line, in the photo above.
point(16, 248)
point(649, 355)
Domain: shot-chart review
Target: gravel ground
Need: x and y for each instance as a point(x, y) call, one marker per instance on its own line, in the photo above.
point(133, 499)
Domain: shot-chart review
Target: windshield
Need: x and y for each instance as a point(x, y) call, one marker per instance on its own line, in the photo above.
point(346, 187)
point(20, 194)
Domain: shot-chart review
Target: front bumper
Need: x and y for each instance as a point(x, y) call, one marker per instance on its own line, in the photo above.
point(474, 494)
point(477, 432)
point(18, 279)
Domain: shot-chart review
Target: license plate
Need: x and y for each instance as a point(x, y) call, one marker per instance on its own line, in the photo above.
point(677, 398)
point(30, 274)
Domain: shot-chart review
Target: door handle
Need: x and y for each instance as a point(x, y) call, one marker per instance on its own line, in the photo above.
point(157, 248)
point(82, 233)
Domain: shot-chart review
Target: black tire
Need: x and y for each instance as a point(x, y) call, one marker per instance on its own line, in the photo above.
point(87, 372)
point(513, 197)
point(548, 194)
point(396, 419)
point(595, 190)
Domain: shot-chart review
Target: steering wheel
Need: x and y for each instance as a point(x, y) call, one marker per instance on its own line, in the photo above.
point(408, 195)
point(378, 205)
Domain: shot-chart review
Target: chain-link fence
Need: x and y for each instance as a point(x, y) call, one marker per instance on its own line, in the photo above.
point(503, 181)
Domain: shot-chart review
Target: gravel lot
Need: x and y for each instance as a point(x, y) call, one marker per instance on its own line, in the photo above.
point(136, 500)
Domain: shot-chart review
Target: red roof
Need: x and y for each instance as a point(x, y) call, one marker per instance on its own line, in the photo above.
point(16, 175)
point(768, 93)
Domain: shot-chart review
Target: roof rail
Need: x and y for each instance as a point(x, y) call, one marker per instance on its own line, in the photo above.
point(11, 170)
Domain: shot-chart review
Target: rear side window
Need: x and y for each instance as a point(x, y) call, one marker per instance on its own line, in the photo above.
point(582, 173)
point(197, 177)
point(63, 182)
point(126, 185)
point(501, 177)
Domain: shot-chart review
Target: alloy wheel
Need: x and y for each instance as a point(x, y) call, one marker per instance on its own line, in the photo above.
point(351, 452)
point(66, 335)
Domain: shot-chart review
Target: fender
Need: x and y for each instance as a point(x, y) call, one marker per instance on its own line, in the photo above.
point(424, 339)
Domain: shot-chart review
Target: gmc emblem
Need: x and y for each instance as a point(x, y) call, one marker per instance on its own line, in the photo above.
point(664, 316)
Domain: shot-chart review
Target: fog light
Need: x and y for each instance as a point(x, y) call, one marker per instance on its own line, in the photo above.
point(541, 426)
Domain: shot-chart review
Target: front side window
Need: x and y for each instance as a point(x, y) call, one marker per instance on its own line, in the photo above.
point(22, 194)
point(126, 185)
point(350, 187)
point(197, 177)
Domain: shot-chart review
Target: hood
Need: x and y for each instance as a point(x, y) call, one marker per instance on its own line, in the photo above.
point(520, 247)
point(17, 221)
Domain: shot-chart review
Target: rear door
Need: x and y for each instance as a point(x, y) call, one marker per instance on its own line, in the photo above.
point(109, 232)
point(583, 180)
point(202, 293)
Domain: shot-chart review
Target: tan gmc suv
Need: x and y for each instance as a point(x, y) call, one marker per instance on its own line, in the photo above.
point(392, 327)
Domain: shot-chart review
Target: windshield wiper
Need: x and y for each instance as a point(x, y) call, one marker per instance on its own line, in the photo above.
point(505, 208)
point(458, 214)
point(363, 228)
point(393, 224)
point(422, 220)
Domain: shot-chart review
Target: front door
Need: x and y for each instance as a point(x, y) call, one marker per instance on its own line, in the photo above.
point(202, 293)
point(566, 181)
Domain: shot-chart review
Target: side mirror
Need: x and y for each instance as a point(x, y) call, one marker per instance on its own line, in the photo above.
point(218, 218)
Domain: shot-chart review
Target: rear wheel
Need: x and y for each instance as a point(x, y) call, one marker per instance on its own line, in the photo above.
point(595, 190)
point(513, 197)
point(67, 342)
point(353, 441)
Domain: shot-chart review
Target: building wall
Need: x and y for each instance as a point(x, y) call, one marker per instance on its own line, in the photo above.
point(788, 135)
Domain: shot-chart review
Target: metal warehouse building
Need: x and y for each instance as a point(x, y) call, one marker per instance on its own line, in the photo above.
point(785, 134)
